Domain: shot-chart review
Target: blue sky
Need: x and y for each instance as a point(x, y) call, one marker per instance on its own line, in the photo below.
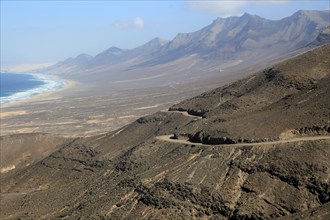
point(34, 32)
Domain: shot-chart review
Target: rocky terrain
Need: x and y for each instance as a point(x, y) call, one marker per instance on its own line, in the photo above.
point(257, 148)
point(297, 99)
point(21, 150)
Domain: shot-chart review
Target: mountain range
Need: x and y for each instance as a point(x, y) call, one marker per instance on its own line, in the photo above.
point(225, 43)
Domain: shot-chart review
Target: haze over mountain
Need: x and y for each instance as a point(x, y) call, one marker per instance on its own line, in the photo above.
point(115, 55)
point(226, 42)
point(72, 64)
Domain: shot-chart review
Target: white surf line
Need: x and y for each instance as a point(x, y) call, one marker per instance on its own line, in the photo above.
point(50, 83)
point(168, 138)
point(185, 113)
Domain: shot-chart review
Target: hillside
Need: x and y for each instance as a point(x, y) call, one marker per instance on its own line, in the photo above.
point(21, 150)
point(254, 149)
point(282, 99)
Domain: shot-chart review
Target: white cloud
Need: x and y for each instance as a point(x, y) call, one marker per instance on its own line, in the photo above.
point(228, 8)
point(137, 23)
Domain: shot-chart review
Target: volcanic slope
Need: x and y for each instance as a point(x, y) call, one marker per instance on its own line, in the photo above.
point(136, 173)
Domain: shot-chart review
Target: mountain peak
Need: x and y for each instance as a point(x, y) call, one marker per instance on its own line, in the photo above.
point(151, 46)
point(309, 13)
point(250, 16)
point(84, 56)
point(157, 41)
point(301, 13)
point(321, 18)
point(114, 51)
point(247, 15)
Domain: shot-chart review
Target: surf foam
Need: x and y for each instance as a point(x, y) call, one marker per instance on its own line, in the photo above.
point(50, 84)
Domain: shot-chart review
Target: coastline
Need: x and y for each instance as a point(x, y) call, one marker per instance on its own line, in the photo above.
point(48, 95)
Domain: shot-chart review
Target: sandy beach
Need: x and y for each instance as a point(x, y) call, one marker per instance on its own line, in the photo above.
point(51, 95)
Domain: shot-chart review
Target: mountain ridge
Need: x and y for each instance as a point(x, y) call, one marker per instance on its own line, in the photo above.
point(225, 39)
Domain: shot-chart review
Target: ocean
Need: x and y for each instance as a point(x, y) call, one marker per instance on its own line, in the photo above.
point(14, 87)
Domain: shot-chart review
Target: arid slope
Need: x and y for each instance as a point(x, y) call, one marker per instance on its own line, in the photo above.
point(131, 173)
point(21, 150)
point(290, 98)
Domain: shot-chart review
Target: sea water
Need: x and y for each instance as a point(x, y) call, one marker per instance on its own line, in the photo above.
point(14, 87)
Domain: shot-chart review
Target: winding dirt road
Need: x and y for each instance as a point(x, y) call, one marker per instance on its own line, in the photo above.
point(169, 138)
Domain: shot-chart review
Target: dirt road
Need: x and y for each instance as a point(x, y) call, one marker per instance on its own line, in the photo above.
point(169, 138)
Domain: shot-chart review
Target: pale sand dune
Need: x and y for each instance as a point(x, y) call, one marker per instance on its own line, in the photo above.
point(127, 116)
point(12, 113)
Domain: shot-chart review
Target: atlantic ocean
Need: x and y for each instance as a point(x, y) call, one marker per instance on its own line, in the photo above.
point(22, 86)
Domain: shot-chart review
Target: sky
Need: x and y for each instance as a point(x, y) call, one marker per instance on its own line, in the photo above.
point(43, 32)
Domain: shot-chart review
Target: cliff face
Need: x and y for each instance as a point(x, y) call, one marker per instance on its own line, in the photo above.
point(255, 149)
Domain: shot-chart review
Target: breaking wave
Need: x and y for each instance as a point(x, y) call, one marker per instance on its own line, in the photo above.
point(49, 84)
